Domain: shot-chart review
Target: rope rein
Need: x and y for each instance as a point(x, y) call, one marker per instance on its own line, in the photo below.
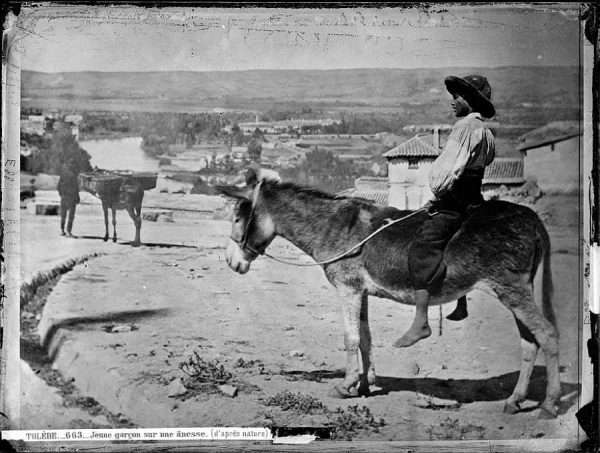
point(346, 253)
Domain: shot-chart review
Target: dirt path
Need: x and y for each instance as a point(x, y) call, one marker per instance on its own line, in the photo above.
point(123, 323)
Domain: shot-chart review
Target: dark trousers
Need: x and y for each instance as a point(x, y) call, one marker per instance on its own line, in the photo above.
point(425, 254)
point(67, 212)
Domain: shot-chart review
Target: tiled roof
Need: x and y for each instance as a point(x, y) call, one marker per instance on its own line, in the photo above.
point(553, 132)
point(504, 171)
point(380, 197)
point(414, 147)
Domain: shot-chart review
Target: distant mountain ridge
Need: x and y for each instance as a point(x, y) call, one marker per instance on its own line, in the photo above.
point(255, 89)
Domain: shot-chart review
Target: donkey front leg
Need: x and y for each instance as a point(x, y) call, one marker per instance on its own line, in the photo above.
point(105, 211)
point(368, 369)
point(114, 223)
point(351, 307)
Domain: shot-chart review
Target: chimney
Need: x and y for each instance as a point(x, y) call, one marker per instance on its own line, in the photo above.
point(436, 137)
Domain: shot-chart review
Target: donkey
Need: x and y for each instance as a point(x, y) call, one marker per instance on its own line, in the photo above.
point(129, 197)
point(501, 245)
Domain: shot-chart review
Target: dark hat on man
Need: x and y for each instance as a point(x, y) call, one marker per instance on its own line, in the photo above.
point(476, 90)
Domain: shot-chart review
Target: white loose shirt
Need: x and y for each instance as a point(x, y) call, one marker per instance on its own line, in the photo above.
point(469, 146)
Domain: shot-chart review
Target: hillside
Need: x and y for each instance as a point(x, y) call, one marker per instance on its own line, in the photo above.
point(394, 90)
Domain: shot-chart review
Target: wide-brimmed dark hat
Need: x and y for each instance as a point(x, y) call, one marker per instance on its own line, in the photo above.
point(476, 90)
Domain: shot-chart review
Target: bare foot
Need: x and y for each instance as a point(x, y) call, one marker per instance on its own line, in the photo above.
point(413, 335)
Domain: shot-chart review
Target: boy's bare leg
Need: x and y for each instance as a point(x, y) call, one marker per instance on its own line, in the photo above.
point(420, 327)
point(460, 312)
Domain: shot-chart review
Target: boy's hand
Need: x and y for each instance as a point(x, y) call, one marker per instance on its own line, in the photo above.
point(429, 204)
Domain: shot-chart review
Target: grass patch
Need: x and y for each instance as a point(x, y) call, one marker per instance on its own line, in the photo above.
point(350, 421)
point(343, 423)
point(241, 363)
point(298, 402)
point(203, 374)
point(453, 429)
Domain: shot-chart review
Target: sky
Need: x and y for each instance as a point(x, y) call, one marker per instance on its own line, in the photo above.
point(87, 38)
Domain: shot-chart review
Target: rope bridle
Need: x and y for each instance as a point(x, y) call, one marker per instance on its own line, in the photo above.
point(243, 242)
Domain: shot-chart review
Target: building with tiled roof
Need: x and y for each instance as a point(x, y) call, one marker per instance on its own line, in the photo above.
point(554, 132)
point(408, 170)
point(407, 185)
point(551, 156)
point(372, 188)
point(419, 146)
point(379, 197)
point(503, 171)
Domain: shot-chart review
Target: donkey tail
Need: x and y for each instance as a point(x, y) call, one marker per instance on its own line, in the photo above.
point(547, 285)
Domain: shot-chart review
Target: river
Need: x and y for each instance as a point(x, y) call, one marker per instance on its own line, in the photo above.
point(119, 154)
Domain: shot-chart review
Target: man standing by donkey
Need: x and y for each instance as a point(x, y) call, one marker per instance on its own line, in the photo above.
point(68, 189)
point(455, 180)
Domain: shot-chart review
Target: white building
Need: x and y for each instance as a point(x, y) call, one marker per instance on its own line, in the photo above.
point(408, 171)
point(35, 124)
point(73, 119)
point(551, 156)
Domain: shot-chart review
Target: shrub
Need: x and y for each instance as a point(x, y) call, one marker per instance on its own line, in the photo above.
point(55, 149)
point(353, 419)
point(203, 374)
point(287, 400)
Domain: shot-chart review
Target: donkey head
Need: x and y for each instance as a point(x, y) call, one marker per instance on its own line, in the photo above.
point(253, 228)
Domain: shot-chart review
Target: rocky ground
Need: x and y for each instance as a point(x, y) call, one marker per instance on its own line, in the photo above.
point(148, 337)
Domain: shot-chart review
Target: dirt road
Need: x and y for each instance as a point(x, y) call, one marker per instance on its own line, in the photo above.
point(123, 323)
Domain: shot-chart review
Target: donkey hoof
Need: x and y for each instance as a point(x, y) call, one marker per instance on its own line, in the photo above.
point(547, 414)
point(136, 244)
point(511, 408)
point(105, 238)
point(342, 393)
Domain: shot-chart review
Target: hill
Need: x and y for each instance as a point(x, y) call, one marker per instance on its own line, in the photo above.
point(394, 90)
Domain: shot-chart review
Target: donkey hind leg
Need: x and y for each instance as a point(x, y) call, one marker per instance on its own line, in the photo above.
point(351, 308)
point(105, 211)
point(137, 221)
point(520, 301)
point(529, 352)
point(114, 223)
point(368, 369)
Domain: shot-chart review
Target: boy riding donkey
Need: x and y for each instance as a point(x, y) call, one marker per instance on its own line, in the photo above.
point(455, 180)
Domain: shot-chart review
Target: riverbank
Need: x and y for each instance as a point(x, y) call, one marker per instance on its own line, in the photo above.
point(112, 135)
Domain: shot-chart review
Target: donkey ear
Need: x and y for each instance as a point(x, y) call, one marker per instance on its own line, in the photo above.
point(235, 192)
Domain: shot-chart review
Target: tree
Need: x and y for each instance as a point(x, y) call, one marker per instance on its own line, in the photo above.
point(258, 135)
point(254, 150)
point(236, 135)
point(58, 149)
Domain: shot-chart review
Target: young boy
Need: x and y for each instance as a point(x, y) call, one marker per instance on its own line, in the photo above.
point(455, 180)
